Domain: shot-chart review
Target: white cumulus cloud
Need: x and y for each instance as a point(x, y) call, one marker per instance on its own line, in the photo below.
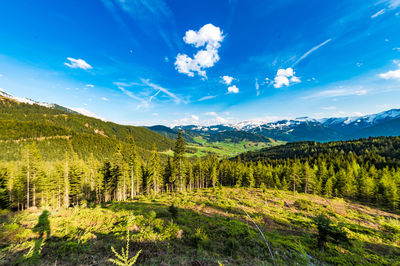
point(233, 89)
point(392, 74)
point(227, 80)
point(78, 63)
point(208, 36)
point(104, 99)
point(285, 77)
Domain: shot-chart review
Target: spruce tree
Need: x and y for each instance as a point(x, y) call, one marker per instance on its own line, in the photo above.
point(179, 160)
point(4, 197)
point(155, 172)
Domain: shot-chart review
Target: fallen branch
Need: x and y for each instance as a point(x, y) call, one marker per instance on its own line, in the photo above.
point(262, 234)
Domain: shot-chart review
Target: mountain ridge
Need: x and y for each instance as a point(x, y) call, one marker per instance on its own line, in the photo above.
point(310, 129)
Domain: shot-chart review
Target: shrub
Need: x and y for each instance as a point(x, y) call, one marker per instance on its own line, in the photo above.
point(171, 231)
point(200, 239)
point(173, 211)
point(303, 204)
point(328, 232)
point(152, 215)
point(231, 246)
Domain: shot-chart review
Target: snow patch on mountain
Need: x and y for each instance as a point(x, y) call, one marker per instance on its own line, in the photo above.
point(82, 111)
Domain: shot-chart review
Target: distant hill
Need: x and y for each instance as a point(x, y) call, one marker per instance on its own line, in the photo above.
point(56, 127)
point(237, 136)
point(386, 150)
point(172, 133)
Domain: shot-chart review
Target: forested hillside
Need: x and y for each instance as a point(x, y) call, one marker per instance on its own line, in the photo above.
point(56, 131)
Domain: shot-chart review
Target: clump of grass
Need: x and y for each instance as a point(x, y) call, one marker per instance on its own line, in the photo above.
point(392, 226)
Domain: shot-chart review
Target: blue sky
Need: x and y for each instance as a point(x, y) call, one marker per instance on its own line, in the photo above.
point(145, 62)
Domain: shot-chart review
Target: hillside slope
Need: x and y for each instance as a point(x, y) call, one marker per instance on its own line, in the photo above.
point(209, 226)
point(32, 122)
point(382, 150)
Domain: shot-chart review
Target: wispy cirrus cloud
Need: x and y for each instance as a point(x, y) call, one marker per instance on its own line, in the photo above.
point(161, 89)
point(257, 87)
point(338, 92)
point(208, 97)
point(380, 12)
point(329, 108)
point(216, 117)
point(304, 56)
point(393, 3)
point(155, 14)
point(144, 97)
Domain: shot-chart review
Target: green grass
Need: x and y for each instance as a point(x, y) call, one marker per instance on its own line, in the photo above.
point(210, 226)
point(202, 147)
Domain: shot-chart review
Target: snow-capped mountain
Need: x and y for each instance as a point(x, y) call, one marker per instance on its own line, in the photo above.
point(304, 128)
point(25, 100)
point(352, 124)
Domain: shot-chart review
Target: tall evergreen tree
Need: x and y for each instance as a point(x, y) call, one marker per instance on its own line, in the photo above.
point(4, 196)
point(31, 155)
point(155, 172)
point(179, 160)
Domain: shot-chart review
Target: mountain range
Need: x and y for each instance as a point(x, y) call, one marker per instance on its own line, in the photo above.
point(386, 123)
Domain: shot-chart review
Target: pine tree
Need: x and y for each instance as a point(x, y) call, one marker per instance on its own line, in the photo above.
point(4, 197)
point(179, 160)
point(307, 178)
point(31, 156)
point(155, 172)
point(248, 177)
point(134, 167)
point(294, 177)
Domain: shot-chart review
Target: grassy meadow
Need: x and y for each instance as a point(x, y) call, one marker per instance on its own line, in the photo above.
point(204, 227)
point(201, 147)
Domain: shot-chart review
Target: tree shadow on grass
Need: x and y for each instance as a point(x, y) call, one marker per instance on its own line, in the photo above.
point(34, 253)
point(43, 225)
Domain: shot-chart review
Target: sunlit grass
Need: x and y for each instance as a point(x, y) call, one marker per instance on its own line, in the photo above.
point(205, 226)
